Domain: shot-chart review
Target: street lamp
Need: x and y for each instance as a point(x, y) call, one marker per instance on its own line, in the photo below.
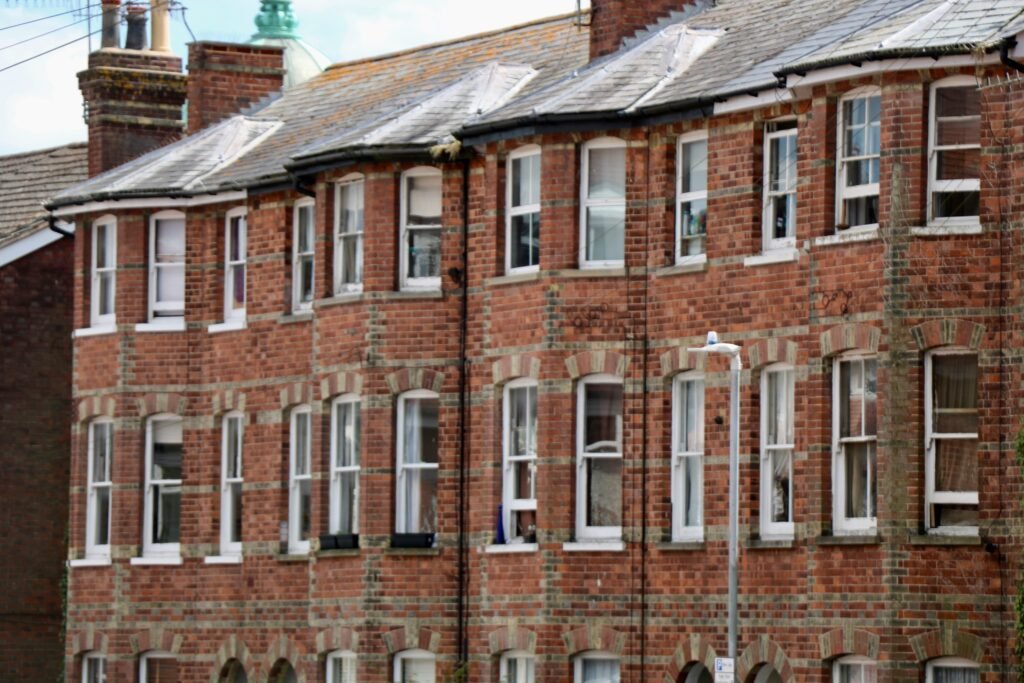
point(733, 351)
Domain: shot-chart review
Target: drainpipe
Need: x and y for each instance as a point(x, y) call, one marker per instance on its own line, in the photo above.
point(55, 228)
point(463, 277)
point(302, 187)
point(1004, 54)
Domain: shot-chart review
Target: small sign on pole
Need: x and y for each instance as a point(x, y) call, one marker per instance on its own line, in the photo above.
point(725, 670)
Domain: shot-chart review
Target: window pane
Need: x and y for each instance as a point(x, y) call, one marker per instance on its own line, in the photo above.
point(956, 204)
point(523, 421)
point(693, 217)
point(957, 101)
point(424, 200)
point(351, 260)
point(106, 293)
point(784, 211)
point(602, 431)
point(96, 670)
point(170, 241)
point(170, 284)
point(955, 394)
point(955, 674)
point(781, 465)
point(526, 180)
point(420, 493)
point(523, 485)
point(302, 434)
point(955, 515)
point(161, 671)
point(167, 520)
point(233, 457)
point(692, 491)
point(862, 172)
point(102, 434)
point(418, 671)
point(606, 233)
point(691, 413)
point(424, 253)
point(604, 491)
point(305, 509)
point(859, 479)
point(237, 239)
point(958, 132)
point(957, 164)
point(600, 671)
point(694, 167)
point(237, 287)
point(779, 419)
point(347, 437)
point(525, 238)
point(235, 493)
point(420, 430)
point(348, 507)
point(857, 396)
point(956, 465)
point(351, 207)
point(167, 438)
point(606, 177)
point(861, 211)
point(104, 235)
point(524, 525)
point(305, 236)
point(783, 164)
point(101, 518)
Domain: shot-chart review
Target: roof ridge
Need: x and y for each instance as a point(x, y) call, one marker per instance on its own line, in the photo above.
point(455, 41)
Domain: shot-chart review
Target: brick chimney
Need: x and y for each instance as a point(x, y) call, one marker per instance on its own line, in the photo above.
point(613, 20)
point(226, 78)
point(133, 97)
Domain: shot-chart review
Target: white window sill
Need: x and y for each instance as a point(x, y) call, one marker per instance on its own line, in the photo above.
point(858, 234)
point(594, 547)
point(867, 531)
point(514, 277)
point(778, 536)
point(689, 538)
point(602, 265)
point(223, 559)
point(94, 331)
point(165, 325)
point(90, 562)
point(943, 229)
point(156, 561)
point(786, 255)
point(957, 531)
point(230, 326)
point(303, 316)
point(694, 260)
point(344, 297)
point(511, 548)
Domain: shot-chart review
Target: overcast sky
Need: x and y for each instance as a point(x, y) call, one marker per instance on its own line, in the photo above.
point(42, 107)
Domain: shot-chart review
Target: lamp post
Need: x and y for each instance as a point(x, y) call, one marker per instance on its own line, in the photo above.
point(735, 364)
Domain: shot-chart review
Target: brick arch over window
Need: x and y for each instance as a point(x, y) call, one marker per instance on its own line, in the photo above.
point(297, 394)
point(337, 638)
point(153, 404)
point(948, 332)
point(226, 401)
point(693, 650)
point(948, 641)
point(768, 351)
point(764, 651)
point(850, 336)
point(155, 638)
point(341, 383)
point(408, 379)
point(594, 637)
point(602, 362)
point(514, 367)
point(96, 406)
point(88, 639)
point(282, 649)
point(680, 360)
point(234, 648)
point(512, 637)
point(411, 637)
point(848, 641)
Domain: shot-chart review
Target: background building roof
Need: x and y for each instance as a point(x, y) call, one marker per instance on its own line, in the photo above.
point(28, 179)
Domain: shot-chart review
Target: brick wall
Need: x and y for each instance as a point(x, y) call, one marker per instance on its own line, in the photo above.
point(899, 596)
point(226, 78)
point(35, 329)
point(613, 20)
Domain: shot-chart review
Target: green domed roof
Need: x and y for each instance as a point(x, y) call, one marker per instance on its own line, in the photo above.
point(276, 25)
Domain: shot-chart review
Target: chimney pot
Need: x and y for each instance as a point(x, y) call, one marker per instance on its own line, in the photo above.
point(136, 39)
point(111, 34)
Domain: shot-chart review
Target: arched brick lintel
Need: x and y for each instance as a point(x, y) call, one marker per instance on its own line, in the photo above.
point(408, 379)
point(96, 406)
point(227, 401)
point(769, 351)
point(411, 637)
point(153, 404)
point(515, 367)
point(692, 650)
point(850, 336)
point(512, 638)
point(88, 639)
point(594, 637)
point(848, 641)
point(337, 638)
point(948, 332)
point(297, 394)
point(155, 638)
point(602, 362)
point(948, 641)
point(680, 360)
point(340, 384)
point(764, 651)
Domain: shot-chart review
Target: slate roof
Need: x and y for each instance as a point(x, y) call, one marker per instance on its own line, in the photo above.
point(536, 73)
point(30, 178)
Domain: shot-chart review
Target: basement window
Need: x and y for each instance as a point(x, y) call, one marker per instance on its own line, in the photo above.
point(855, 669)
point(954, 152)
point(420, 239)
point(349, 215)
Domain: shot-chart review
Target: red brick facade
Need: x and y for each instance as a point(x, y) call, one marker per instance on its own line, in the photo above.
point(900, 596)
point(225, 78)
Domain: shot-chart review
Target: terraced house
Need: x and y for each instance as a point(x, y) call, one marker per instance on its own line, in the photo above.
point(388, 379)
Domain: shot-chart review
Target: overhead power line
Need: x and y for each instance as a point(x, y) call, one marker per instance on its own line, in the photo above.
point(52, 16)
point(50, 32)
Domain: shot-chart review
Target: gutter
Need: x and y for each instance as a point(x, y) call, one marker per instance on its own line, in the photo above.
point(349, 157)
point(1004, 54)
point(60, 231)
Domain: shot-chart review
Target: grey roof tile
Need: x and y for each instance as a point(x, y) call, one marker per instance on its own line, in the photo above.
point(28, 179)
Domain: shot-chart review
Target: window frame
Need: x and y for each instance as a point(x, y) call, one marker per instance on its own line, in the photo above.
point(337, 471)
point(934, 184)
point(948, 663)
point(229, 548)
point(300, 257)
point(587, 203)
point(844, 192)
point(400, 466)
point(97, 319)
point(770, 243)
point(771, 530)
point(841, 524)
point(583, 531)
point(691, 196)
point(510, 503)
point(232, 314)
point(526, 209)
point(93, 550)
point(340, 656)
point(412, 654)
point(167, 310)
point(682, 533)
point(579, 659)
point(151, 549)
point(94, 657)
point(296, 545)
point(851, 660)
point(431, 283)
point(933, 497)
point(145, 657)
point(527, 674)
point(357, 237)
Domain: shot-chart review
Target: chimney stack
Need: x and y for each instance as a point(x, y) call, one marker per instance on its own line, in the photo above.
point(161, 18)
point(111, 34)
point(227, 78)
point(612, 21)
